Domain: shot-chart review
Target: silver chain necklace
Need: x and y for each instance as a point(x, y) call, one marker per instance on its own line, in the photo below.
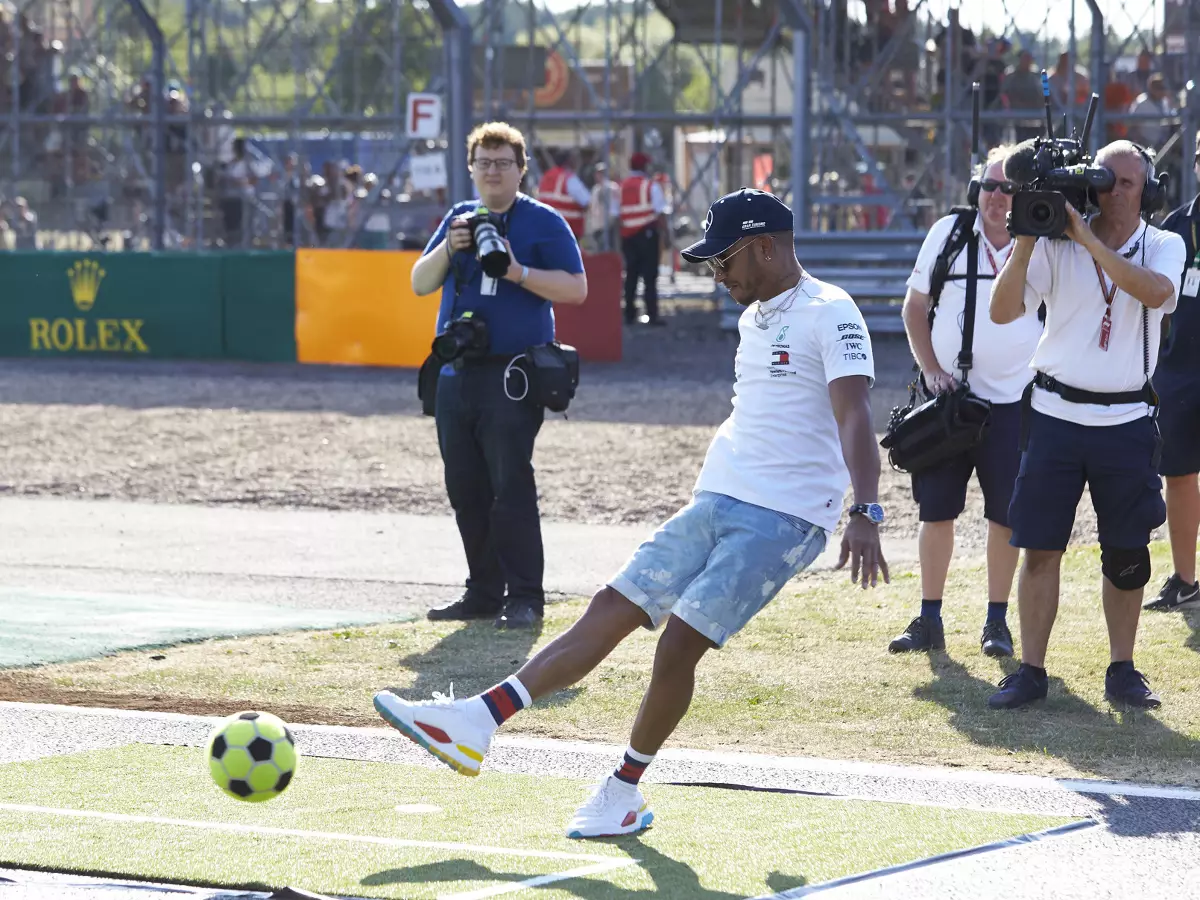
point(765, 320)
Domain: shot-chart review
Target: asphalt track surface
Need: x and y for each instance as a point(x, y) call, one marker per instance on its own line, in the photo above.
point(1146, 843)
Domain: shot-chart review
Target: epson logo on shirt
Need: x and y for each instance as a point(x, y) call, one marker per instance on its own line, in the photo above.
point(750, 223)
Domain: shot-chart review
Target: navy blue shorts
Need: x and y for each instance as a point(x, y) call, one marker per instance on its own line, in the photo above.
point(1117, 464)
point(1179, 419)
point(941, 493)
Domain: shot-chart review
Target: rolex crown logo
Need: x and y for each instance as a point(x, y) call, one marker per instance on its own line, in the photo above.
point(85, 277)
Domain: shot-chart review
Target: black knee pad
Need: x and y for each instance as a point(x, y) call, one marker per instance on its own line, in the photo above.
point(1128, 570)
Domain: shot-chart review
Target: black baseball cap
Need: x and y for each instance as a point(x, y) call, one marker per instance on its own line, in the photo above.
point(738, 215)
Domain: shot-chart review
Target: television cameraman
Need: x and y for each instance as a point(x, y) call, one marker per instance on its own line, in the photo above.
point(485, 434)
point(1090, 410)
point(934, 315)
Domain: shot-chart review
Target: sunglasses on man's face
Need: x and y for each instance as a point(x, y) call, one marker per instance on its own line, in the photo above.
point(717, 263)
point(1004, 187)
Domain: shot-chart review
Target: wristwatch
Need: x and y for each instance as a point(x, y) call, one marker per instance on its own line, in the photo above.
point(873, 512)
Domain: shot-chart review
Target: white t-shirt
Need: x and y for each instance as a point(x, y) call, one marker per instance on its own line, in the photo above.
point(1001, 353)
point(1063, 274)
point(779, 448)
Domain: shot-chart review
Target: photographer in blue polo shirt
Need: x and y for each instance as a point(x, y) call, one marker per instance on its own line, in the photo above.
point(487, 420)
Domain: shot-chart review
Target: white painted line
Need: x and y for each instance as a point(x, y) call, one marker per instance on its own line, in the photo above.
point(513, 886)
point(295, 832)
point(802, 764)
point(1034, 837)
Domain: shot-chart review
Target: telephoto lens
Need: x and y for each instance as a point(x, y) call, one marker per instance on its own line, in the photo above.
point(490, 249)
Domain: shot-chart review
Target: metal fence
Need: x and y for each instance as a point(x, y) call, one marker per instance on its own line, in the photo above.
point(273, 123)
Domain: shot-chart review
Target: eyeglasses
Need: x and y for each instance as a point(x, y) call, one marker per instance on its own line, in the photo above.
point(500, 165)
point(1005, 187)
point(716, 263)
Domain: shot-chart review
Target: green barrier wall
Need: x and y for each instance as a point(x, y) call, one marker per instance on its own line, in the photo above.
point(258, 303)
point(149, 305)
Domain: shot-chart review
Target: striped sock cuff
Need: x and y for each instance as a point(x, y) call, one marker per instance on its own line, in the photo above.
point(633, 766)
point(504, 700)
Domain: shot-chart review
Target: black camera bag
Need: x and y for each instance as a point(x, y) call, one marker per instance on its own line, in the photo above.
point(924, 437)
point(553, 371)
point(427, 383)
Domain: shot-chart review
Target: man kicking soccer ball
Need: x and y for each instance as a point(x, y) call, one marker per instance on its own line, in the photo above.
point(770, 491)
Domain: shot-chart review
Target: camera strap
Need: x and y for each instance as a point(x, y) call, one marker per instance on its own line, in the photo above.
point(966, 356)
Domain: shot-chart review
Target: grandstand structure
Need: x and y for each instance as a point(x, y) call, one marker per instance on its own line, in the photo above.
point(120, 119)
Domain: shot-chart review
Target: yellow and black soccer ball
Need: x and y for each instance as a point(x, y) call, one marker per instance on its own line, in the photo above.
point(252, 756)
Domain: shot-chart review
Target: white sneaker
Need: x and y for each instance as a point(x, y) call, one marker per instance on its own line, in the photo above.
point(615, 807)
point(445, 727)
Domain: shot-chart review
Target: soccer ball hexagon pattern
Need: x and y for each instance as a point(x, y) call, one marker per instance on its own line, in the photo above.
point(252, 756)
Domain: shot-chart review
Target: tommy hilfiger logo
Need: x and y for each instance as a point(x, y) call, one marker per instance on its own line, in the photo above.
point(780, 358)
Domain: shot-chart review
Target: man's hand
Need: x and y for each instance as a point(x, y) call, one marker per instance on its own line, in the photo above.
point(938, 381)
point(459, 237)
point(1078, 230)
point(860, 544)
point(514, 268)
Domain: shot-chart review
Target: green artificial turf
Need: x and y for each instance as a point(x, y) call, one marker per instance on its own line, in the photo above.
point(707, 843)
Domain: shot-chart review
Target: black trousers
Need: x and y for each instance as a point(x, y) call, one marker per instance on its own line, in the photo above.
point(486, 441)
point(641, 261)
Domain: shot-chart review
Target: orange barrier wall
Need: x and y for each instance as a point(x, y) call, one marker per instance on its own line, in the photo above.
point(357, 307)
point(594, 329)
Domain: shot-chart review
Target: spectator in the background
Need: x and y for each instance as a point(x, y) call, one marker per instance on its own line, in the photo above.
point(237, 186)
point(562, 189)
point(1139, 78)
point(604, 211)
point(991, 86)
point(177, 137)
point(326, 189)
point(1155, 103)
point(1060, 83)
point(294, 195)
point(24, 224)
point(1022, 90)
point(1118, 98)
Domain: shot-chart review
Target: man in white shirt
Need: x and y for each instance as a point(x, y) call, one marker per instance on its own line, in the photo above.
point(1090, 419)
point(604, 212)
point(770, 491)
point(999, 372)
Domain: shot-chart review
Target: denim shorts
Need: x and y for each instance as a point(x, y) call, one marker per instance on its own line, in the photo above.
point(716, 563)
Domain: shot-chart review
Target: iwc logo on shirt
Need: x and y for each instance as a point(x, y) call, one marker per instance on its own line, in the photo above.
point(852, 341)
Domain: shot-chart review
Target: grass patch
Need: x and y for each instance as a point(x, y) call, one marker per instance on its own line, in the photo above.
point(810, 676)
point(708, 843)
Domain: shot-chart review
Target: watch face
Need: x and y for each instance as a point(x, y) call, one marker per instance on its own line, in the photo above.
point(875, 513)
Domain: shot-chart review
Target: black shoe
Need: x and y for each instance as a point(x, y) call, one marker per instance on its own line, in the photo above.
point(997, 639)
point(1021, 687)
point(519, 615)
point(1175, 594)
point(463, 609)
point(1125, 684)
point(922, 633)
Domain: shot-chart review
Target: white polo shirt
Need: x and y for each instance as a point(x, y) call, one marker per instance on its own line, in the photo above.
point(1001, 353)
point(1063, 275)
point(780, 448)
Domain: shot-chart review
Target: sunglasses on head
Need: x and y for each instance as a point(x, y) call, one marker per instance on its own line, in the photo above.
point(1005, 187)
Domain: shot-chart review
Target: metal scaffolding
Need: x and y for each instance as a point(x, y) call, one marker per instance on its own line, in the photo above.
point(281, 122)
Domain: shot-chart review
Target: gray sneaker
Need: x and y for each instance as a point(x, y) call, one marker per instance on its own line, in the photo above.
point(1175, 594)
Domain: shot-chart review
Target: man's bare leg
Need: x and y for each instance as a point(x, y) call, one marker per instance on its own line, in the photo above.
point(1183, 522)
point(680, 650)
point(1122, 610)
point(1037, 600)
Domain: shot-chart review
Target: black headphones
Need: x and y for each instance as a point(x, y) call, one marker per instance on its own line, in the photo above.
point(1154, 191)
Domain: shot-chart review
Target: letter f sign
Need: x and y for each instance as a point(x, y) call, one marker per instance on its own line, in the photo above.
point(424, 118)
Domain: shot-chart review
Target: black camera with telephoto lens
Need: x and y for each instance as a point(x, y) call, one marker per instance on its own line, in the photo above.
point(489, 244)
point(465, 337)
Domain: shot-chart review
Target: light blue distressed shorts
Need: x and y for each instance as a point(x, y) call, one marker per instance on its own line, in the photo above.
point(716, 563)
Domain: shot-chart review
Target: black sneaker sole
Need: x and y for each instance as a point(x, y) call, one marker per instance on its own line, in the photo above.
point(1020, 705)
point(1190, 603)
point(997, 652)
point(892, 648)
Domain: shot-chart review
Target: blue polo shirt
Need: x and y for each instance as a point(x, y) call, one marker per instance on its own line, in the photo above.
point(1181, 350)
point(516, 318)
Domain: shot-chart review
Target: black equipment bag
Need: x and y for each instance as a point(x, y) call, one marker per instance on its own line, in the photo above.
point(553, 371)
point(922, 437)
point(427, 383)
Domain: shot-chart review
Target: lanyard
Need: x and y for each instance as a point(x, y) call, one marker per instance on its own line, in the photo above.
point(1109, 296)
point(992, 259)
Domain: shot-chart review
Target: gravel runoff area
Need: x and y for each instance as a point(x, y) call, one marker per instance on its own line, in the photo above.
point(347, 438)
point(1146, 845)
